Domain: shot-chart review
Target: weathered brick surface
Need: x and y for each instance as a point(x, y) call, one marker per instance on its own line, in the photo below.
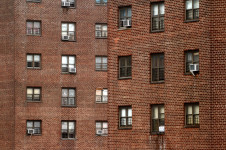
point(207, 88)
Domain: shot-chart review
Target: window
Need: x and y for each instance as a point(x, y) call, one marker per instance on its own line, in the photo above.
point(125, 17)
point(191, 57)
point(68, 97)
point(101, 63)
point(68, 129)
point(157, 17)
point(158, 119)
point(37, 1)
point(68, 31)
point(33, 94)
point(192, 9)
point(101, 95)
point(125, 67)
point(67, 63)
point(101, 1)
point(33, 28)
point(192, 115)
point(68, 3)
point(125, 114)
point(101, 128)
point(101, 30)
point(33, 61)
point(33, 127)
point(157, 67)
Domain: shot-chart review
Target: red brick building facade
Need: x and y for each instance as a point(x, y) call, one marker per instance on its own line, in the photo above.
point(147, 96)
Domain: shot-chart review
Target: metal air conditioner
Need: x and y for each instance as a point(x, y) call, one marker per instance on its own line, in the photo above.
point(65, 38)
point(66, 4)
point(72, 70)
point(194, 67)
point(30, 131)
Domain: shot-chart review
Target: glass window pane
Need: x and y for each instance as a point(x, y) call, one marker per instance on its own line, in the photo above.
point(98, 59)
point(161, 61)
point(29, 58)
point(105, 60)
point(29, 24)
point(189, 111)
point(162, 110)
point(130, 112)
point(71, 27)
point(105, 92)
point(162, 9)
point(36, 57)
point(104, 28)
point(64, 125)
point(129, 12)
point(64, 59)
point(36, 24)
point(71, 60)
point(36, 91)
point(196, 109)
point(155, 9)
point(29, 124)
point(37, 124)
point(123, 121)
point(196, 57)
point(155, 113)
point(29, 91)
point(196, 4)
point(122, 13)
point(105, 125)
point(98, 27)
point(98, 92)
point(71, 93)
point(71, 125)
point(64, 26)
point(189, 57)
point(129, 121)
point(123, 112)
point(98, 125)
point(188, 4)
point(105, 1)
point(64, 92)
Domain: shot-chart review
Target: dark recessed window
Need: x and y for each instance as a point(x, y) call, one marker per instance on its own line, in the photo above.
point(191, 58)
point(68, 31)
point(68, 3)
point(101, 30)
point(101, 63)
point(33, 61)
point(125, 67)
point(33, 127)
point(33, 94)
point(192, 115)
point(125, 114)
point(68, 64)
point(33, 28)
point(158, 119)
point(101, 95)
point(68, 97)
point(68, 129)
point(101, 128)
point(192, 9)
point(157, 16)
point(125, 17)
point(157, 67)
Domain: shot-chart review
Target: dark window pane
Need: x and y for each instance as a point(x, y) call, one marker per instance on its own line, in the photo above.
point(189, 15)
point(155, 125)
point(129, 72)
point(155, 74)
point(155, 23)
point(161, 73)
point(29, 64)
point(37, 64)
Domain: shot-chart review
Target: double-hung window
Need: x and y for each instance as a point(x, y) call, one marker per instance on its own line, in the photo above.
point(192, 115)
point(157, 16)
point(33, 61)
point(33, 127)
point(68, 64)
point(101, 63)
point(191, 57)
point(125, 17)
point(33, 94)
point(101, 128)
point(125, 117)
point(101, 30)
point(68, 129)
point(158, 119)
point(192, 9)
point(101, 95)
point(33, 28)
point(68, 31)
point(157, 67)
point(68, 97)
point(125, 67)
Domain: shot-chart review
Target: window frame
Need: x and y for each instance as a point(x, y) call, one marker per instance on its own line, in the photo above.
point(102, 128)
point(33, 88)
point(101, 2)
point(33, 121)
point(40, 29)
point(33, 67)
point(158, 66)
point(185, 116)
point(101, 37)
point(159, 16)
point(126, 66)
point(192, 62)
point(127, 18)
point(74, 133)
point(74, 40)
point(67, 72)
point(159, 106)
point(71, 7)
point(34, 1)
point(102, 90)
point(68, 88)
point(193, 19)
point(102, 64)
point(127, 117)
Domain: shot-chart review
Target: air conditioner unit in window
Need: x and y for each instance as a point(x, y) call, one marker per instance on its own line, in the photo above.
point(65, 38)
point(66, 4)
point(30, 131)
point(194, 67)
point(126, 23)
point(99, 132)
point(72, 70)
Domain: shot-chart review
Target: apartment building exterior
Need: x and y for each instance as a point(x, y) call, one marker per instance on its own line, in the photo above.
point(116, 74)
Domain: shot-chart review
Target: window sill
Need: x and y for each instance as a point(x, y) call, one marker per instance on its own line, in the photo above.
point(187, 21)
point(68, 73)
point(69, 139)
point(68, 106)
point(188, 73)
point(101, 102)
point(33, 101)
point(68, 40)
point(192, 126)
point(34, 134)
point(125, 128)
point(101, 70)
point(101, 37)
point(124, 28)
point(157, 31)
point(158, 133)
point(103, 4)
point(157, 82)
point(124, 78)
point(101, 135)
point(33, 2)
point(29, 68)
point(34, 35)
